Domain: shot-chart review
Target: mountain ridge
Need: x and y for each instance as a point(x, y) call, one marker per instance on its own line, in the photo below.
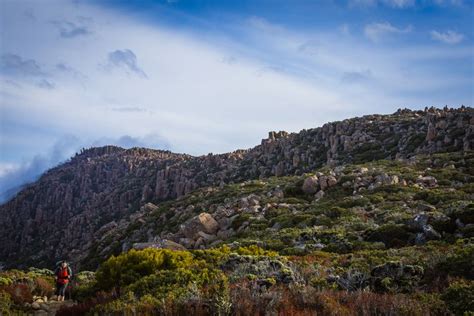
point(61, 212)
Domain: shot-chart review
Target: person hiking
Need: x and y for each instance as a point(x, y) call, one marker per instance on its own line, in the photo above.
point(63, 275)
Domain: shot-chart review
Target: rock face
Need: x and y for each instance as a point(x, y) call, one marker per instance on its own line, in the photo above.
point(72, 205)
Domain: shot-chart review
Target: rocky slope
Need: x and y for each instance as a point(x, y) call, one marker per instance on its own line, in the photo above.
point(371, 206)
point(70, 209)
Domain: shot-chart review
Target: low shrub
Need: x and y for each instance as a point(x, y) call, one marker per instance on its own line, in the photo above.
point(459, 297)
point(43, 287)
point(391, 235)
point(5, 303)
point(20, 293)
point(129, 267)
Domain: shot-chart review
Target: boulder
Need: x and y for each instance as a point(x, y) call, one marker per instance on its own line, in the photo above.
point(203, 222)
point(207, 238)
point(327, 182)
point(310, 185)
point(430, 232)
point(427, 181)
point(419, 221)
point(150, 207)
point(332, 181)
point(35, 305)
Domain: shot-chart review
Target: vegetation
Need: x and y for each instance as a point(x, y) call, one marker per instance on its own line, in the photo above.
point(385, 239)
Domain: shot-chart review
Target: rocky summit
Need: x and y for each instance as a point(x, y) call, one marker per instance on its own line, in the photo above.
point(69, 211)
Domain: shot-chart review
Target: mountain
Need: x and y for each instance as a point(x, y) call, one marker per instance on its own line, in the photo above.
point(108, 199)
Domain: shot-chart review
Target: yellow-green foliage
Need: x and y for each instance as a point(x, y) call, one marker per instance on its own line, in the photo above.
point(129, 267)
point(254, 250)
point(155, 278)
point(5, 303)
point(5, 281)
point(173, 284)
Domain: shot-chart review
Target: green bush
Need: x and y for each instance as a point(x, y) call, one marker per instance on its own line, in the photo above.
point(459, 297)
point(129, 267)
point(254, 250)
point(461, 262)
point(436, 196)
point(175, 284)
point(391, 235)
point(5, 281)
point(5, 303)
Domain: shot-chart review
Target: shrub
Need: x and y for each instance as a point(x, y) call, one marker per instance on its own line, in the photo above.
point(459, 263)
point(254, 250)
point(459, 297)
point(5, 303)
point(173, 284)
point(20, 293)
point(84, 285)
point(43, 287)
point(129, 267)
point(391, 235)
point(5, 281)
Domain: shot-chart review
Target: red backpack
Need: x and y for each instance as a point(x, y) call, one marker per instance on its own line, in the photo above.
point(63, 275)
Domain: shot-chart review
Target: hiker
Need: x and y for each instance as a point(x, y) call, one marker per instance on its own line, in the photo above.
point(63, 275)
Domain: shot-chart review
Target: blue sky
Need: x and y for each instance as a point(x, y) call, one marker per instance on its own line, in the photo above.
point(213, 76)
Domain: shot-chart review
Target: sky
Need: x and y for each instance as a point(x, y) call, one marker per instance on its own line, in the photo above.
point(201, 76)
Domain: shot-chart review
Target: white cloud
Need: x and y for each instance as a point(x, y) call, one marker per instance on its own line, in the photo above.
point(399, 4)
point(203, 93)
point(403, 4)
point(193, 99)
point(449, 2)
point(448, 37)
point(378, 31)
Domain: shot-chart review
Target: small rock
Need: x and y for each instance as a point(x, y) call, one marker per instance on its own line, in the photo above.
point(206, 237)
point(44, 306)
point(426, 207)
point(319, 195)
point(430, 232)
point(150, 207)
point(35, 305)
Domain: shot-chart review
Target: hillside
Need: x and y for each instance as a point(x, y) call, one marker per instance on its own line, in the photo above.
point(367, 216)
point(65, 212)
